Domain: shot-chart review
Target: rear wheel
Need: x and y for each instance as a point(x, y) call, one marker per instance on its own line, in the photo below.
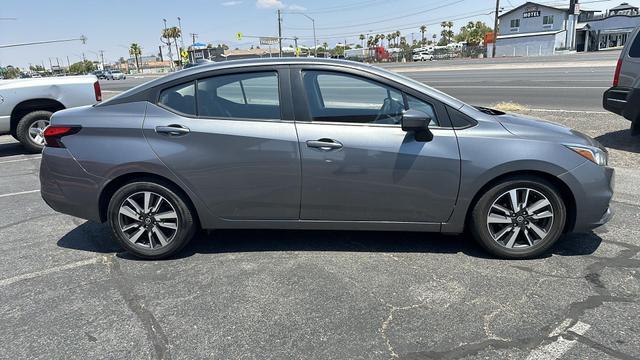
point(30, 130)
point(519, 218)
point(150, 219)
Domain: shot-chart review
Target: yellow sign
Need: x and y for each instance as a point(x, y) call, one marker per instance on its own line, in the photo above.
point(184, 54)
point(239, 35)
point(297, 51)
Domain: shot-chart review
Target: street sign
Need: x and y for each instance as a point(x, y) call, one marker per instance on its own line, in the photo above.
point(184, 54)
point(268, 40)
point(239, 35)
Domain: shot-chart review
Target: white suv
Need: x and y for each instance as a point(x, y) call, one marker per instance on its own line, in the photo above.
point(423, 56)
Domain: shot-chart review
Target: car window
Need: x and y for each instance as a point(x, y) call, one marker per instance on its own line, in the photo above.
point(634, 51)
point(180, 98)
point(423, 106)
point(336, 97)
point(247, 95)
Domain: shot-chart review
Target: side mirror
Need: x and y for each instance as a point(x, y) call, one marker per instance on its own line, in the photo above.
point(418, 122)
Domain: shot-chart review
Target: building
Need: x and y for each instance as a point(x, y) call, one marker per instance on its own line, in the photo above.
point(534, 29)
point(606, 31)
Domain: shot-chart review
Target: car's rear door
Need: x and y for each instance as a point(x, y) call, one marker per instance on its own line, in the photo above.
point(230, 137)
point(357, 162)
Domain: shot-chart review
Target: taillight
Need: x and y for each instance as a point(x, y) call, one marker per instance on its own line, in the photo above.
point(53, 134)
point(96, 89)
point(616, 76)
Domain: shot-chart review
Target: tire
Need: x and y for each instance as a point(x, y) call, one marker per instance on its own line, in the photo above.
point(528, 241)
point(24, 126)
point(175, 239)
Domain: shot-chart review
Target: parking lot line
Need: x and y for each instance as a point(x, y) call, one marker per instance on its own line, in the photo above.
point(18, 160)
point(558, 348)
point(19, 193)
point(11, 280)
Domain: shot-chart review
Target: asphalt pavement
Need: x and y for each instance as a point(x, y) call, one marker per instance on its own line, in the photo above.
point(68, 291)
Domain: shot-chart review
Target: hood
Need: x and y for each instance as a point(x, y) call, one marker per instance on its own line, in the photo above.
point(537, 129)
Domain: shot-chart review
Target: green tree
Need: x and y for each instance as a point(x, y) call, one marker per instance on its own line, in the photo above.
point(173, 33)
point(423, 29)
point(446, 33)
point(362, 38)
point(81, 67)
point(10, 72)
point(135, 50)
point(473, 33)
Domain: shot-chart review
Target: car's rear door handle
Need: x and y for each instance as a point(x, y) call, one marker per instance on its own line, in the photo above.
point(172, 130)
point(324, 144)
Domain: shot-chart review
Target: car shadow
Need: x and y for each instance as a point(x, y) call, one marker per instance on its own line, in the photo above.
point(620, 140)
point(12, 148)
point(93, 237)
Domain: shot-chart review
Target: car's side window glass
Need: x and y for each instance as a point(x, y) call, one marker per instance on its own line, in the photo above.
point(634, 51)
point(248, 95)
point(344, 98)
point(180, 98)
point(423, 106)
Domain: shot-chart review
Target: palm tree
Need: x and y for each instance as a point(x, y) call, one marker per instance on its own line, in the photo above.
point(382, 39)
point(423, 29)
point(362, 37)
point(173, 33)
point(135, 50)
point(397, 35)
point(446, 33)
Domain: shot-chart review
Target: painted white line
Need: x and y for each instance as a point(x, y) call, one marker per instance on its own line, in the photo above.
point(18, 160)
point(11, 280)
point(558, 348)
point(19, 193)
point(111, 91)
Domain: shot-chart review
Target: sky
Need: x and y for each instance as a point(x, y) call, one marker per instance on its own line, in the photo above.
point(112, 26)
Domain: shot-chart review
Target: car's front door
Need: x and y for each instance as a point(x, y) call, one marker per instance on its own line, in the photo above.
point(357, 162)
point(227, 137)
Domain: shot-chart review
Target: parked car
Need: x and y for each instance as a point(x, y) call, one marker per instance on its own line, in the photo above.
point(115, 75)
point(623, 98)
point(423, 56)
point(27, 104)
point(287, 143)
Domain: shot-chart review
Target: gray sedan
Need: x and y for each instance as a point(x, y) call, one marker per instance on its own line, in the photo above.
point(318, 144)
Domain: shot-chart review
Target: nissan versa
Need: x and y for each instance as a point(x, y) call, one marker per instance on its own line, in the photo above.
point(318, 144)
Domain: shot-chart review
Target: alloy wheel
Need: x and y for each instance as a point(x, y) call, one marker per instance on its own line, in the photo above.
point(147, 219)
point(36, 131)
point(520, 218)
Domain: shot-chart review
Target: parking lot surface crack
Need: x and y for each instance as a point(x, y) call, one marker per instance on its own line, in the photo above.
point(152, 327)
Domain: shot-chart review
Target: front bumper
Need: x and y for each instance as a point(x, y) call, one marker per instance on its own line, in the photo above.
point(592, 186)
point(66, 187)
point(622, 101)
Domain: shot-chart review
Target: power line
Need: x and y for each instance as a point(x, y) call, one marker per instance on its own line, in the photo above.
point(404, 16)
point(344, 7)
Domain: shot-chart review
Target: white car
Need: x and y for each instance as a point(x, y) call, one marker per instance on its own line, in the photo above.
point(115, 75)
point(27, 104)
point(423, 56)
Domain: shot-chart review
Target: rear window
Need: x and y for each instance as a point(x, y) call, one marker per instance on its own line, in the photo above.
point(635, 47)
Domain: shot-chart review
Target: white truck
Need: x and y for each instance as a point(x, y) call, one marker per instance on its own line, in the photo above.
point(27, 104)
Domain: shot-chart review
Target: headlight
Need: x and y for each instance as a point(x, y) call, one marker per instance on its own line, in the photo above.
point(594, 154)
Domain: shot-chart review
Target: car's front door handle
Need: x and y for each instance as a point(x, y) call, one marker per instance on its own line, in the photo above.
point(324, 144)
point(172, 130)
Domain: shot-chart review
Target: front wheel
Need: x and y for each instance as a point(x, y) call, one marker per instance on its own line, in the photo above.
point(519, 218)
point(150, 219)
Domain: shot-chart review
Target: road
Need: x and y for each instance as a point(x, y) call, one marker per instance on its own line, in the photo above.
point(538, 83)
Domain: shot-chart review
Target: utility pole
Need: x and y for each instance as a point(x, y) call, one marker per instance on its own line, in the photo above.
point(495, 29)
point(160, 53)
point(280, 32)
point(181, 40)
point(193, 37)
point(295, 41)
point(102, 58)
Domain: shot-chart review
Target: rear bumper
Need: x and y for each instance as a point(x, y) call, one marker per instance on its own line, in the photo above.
point(66, 187)
point(622, 101)
point(592, 186)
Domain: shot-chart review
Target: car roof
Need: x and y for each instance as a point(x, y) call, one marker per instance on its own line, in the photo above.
point(238, 64)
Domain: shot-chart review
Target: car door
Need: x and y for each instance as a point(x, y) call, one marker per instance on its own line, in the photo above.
point(230, 137)
point(357, 162)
